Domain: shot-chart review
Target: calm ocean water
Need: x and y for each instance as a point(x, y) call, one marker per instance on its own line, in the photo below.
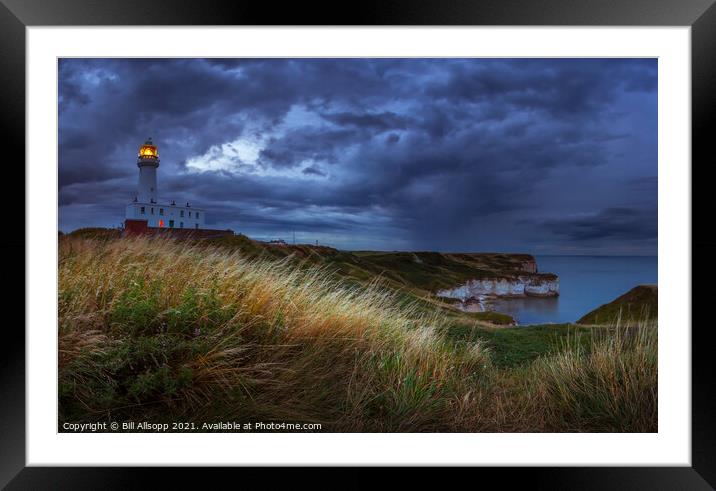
point(585, 282)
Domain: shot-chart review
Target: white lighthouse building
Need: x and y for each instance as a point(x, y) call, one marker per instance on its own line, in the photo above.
point(146, 206)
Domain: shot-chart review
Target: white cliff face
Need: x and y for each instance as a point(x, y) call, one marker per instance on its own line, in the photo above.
point(542, 288)
point(520, 286)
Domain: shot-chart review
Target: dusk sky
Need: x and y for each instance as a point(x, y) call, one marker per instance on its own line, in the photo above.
point(543, 156)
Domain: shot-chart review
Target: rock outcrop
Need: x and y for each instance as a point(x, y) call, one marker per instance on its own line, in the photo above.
point(529, 265)
point(533, 285)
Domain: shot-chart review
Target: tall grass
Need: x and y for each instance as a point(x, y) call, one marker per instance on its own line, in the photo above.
point(613, 387)
point(165, 330)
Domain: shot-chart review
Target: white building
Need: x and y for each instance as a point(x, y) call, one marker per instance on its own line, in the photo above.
point(146, 204)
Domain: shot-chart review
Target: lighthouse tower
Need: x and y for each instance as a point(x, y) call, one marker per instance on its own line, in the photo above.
point(147, 161)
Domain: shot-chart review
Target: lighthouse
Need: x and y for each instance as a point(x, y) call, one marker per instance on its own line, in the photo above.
point(148, 162)
point(147, 211)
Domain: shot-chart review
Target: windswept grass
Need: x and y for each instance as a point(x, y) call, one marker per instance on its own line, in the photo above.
point(610, 387)
point(161, 330)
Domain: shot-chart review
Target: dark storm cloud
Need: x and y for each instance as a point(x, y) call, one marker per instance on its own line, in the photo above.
point(611, 223)
point(449, 154)
point(303, 144)
point(313, 170)
point(562, 87)
point(378, 122)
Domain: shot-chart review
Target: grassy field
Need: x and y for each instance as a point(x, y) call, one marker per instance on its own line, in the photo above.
point(161, 330)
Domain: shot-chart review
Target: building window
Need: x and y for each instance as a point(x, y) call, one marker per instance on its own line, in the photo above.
point(189, 214)
point(181, 224)
point(161, 211)
point(141, 210)
point(152, 210)
point(197, 214)
point(171, 223)
point(196, 226)
point(181, 213)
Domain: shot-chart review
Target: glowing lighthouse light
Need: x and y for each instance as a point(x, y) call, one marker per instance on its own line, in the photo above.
point(146, 207)
point(148, 150)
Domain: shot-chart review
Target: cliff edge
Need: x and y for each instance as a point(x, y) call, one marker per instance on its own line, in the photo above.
point(638, 304)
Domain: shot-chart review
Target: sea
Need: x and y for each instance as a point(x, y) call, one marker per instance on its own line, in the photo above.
point(585, 283)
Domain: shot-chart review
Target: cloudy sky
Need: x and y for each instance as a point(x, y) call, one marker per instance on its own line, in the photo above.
point(546, 156)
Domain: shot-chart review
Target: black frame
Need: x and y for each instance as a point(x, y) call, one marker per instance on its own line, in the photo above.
point(15, 15)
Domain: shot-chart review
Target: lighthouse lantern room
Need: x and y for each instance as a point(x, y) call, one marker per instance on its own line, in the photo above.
point(146, 205)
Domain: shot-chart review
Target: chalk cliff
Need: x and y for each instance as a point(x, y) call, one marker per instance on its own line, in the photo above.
point(534, 285)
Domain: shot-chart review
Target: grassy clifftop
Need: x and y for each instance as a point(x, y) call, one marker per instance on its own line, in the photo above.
point(161, 330)
point(426, 271)
point(639, 303)
point(417, 276)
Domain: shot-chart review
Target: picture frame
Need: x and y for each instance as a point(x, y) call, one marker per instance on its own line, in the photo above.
point(700, 15)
